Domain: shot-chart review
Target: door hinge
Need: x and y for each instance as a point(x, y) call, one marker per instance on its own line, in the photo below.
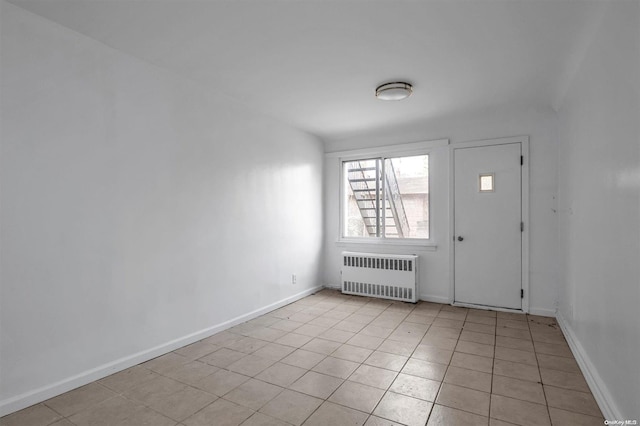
point(521, 160)
point(521, 293)
point(521, 226)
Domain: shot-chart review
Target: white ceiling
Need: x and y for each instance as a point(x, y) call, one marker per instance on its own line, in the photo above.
point(315, 64)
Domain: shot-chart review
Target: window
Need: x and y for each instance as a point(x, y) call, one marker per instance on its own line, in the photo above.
point(386, 197)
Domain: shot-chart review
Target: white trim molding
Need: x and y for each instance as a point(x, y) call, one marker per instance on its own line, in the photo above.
point(598, 387)
point(10, 405)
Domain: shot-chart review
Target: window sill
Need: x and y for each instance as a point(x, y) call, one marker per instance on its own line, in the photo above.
point(422, 245)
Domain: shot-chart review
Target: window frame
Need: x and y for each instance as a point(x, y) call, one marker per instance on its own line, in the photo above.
point(385, 152)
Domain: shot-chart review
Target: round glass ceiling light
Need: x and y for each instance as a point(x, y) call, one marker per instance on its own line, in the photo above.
point(394, 91)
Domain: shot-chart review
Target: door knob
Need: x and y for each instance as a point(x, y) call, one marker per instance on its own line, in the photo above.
point(460, 238)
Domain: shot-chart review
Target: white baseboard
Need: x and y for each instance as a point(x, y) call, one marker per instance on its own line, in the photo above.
point(435, 299)
point(598, 387)
point(543, 312)
point(10, 405)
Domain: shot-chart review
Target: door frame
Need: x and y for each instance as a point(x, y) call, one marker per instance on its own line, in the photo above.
point(524, 193)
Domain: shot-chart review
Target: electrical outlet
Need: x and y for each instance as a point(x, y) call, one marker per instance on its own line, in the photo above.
point(294, 279)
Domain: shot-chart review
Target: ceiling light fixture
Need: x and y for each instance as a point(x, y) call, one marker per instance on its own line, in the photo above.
point(394, 91)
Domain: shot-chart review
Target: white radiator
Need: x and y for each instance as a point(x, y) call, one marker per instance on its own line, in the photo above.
point(380, 275)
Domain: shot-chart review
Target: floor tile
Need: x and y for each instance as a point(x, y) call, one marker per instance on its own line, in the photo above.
point(352, 353)
point(553, 337)
point(191, 372)
point(447, 416)
point(259, 419)
point(316, 384)
point(291, 407)
point(251, 365)
point(222, 358)
point(303, 359)
point(439, 342)
point(561, 349)
point(397, 348)
point(376, 331)
point(452, 315)
point(475, 348)
point(61, 422)
point(472, 362)
point(479, 328)
point(294, 340)
point(379, 421)
point(78, 399)
point(339, 336)
point(351, 326)
point(466, 399)
point(468, 378)
point(166, 362)
point(311, 330)
point(552, 362)
point(334, 414)
point(146, 416)
point(516, 370)
point(221, 412)
point(519, 412)
point(286, 325)
point(274, 351)
point(365, 341)
point(513, 343)
point(154, 391)
point(222, 338)
point(522, 325)
point(197, 350)
point(425, 369)
point(443, 322)
point(386, 360)
point(336, 367)
point(562, 417)
point(246, 345)
point(281, 374)
point(126, 379)
point(481, 319)
point(416, 387)
point(562, 379)
point(403, 409)
point(221, 382)
point(361, 318)
point(324, 321)
point(358, 396)
point(373, 376)
point(36, 415)
point(516, 355)
point(432, 354)
point(253, 394)
point(518, 389)
point(517, 333)
point(321, 346)
point(472, 336)
point(184, 403)
point(108, 412)
point(570, 400)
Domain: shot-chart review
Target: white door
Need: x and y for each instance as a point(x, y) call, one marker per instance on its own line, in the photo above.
point(487, 225)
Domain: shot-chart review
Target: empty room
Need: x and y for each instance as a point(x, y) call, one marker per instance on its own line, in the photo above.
point(280, 212)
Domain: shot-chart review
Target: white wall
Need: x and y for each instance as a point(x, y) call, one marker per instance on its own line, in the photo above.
point(136, 210)
point(599, 212)
point(538, 124)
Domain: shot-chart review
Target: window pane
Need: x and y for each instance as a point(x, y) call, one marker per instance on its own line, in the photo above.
point(362, 188)
point(407, 197)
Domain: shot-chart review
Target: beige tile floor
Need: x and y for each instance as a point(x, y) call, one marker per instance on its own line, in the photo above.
point(331, 359)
